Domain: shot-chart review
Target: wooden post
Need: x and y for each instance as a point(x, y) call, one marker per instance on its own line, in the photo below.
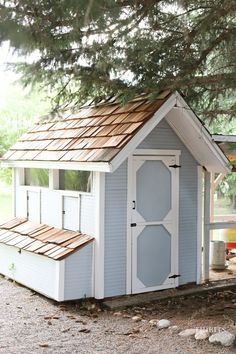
point(207, 218)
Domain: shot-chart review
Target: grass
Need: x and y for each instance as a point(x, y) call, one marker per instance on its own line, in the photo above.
point(5, 204)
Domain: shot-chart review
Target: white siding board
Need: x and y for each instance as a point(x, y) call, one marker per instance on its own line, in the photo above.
point(51, 208)
point(35, 271)
point(20, 202)
point(87, 210)
point(78, 274)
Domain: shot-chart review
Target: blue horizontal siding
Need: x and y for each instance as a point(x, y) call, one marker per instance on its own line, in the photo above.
point(115, 232)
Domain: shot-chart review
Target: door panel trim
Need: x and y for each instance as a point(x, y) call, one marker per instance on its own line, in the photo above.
point(152, 155)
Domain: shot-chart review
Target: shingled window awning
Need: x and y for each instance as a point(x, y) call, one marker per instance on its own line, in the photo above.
point(42, 239)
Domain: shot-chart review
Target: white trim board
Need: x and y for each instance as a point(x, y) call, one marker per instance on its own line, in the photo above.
point(157, 152)
point(224, 138)
point(199, 222)
point(99, 236)
point(82, 166)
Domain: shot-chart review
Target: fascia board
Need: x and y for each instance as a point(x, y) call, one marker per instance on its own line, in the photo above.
point(224, 138)
point(83, 166)
point(206, 136)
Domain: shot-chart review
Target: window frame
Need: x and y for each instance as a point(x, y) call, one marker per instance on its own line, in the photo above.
point(71, 192)
point(33, 187)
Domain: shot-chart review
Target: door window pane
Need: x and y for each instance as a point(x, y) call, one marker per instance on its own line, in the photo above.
point(36, 177)
point(75, 180)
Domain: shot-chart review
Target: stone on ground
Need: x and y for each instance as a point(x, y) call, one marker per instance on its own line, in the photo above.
point(225, 338)
point(153, 322)
point(174, 328)
point(163, 324)
point(136, 318)
point(187, 332)
point(201, 334)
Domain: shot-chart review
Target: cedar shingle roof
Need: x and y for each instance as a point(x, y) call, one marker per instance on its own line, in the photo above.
point(94, 134)
point(42, 239)
point(227, 144)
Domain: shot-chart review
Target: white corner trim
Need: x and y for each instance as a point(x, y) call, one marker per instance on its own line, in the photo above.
point(143, 132)
point(60, 271)
point(207, 218)
point(176, 200)
point(99, 235)
point(129, 230)
point(13, 191)
point(199, 222)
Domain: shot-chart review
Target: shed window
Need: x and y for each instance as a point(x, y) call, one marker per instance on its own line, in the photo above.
point(37, 177)
point(75, 180)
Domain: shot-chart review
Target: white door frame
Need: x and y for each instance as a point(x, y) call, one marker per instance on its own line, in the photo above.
point(149, 152)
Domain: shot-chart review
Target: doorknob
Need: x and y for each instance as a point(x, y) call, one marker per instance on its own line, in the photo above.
point(134, 205)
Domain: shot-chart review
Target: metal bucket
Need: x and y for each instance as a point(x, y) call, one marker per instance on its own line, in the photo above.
point(217, 255)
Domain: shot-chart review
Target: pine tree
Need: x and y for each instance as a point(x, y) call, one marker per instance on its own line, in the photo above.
point(86, 49)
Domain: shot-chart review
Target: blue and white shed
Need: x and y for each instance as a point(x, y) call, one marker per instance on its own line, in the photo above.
point(131, 178)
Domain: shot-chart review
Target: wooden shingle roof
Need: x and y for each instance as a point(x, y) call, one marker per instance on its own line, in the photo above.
point(227, 143)
point(93, 134)
point(42, 239)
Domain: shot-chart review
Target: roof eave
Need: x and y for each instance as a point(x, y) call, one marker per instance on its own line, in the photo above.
point(62, 165)
point(207, 138)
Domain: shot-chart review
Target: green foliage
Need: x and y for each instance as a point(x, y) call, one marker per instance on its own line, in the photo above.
point(227, 187)
point(91, 49)
point(75, 180)
point(18, 110)
point(37, 177)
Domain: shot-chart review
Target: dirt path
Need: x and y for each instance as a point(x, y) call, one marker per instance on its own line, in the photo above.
point(30, 323)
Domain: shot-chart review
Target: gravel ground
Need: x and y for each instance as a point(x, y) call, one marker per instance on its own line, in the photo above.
point(30, 323)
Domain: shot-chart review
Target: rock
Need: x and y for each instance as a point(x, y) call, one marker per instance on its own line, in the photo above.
point(85, 330)
point(65, 330)
point(153, 322)
point(136, 330)
point(126, 316)
point(201, 334)
point(173, 328)
point(225, 338)
point(118, 314)
point(163, 324)
point(136, 318)
point(187, 332)
point(44, 345)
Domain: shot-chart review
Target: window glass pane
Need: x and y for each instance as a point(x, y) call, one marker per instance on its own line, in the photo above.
point(75, 180)
point(36, 177)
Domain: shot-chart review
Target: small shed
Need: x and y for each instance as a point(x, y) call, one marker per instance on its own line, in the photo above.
point(130, 177)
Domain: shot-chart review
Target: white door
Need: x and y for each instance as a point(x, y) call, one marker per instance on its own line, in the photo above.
point(154, 223)
point(33, 206)
point(70, 213)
